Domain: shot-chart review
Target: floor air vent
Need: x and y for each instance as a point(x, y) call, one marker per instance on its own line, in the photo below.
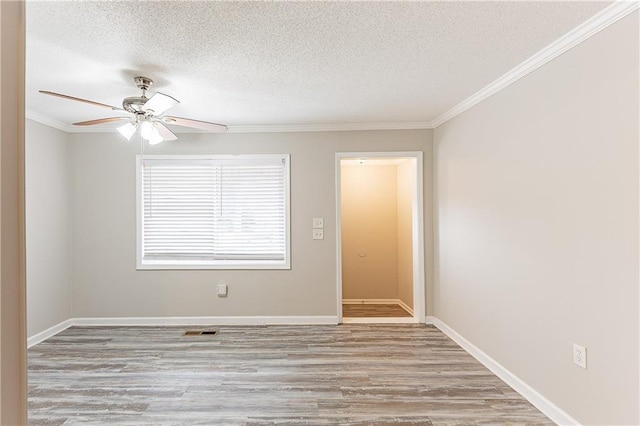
point(200, 332)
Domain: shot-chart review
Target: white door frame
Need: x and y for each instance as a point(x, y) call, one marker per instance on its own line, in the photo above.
point(417, 227)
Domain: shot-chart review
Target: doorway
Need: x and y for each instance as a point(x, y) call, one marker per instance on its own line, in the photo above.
point(380, 243)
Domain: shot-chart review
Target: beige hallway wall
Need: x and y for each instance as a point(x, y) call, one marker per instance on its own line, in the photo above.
point(369, 232)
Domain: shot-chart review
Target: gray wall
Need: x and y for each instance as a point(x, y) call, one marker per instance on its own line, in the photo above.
point(537, 226)
point(106, 283)
point(48, 227)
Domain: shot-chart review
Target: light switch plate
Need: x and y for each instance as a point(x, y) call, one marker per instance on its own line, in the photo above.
point(318, 223)
point(318, 234)
point(222, 290)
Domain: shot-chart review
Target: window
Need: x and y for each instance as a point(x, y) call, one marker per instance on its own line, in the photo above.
point(213, 212)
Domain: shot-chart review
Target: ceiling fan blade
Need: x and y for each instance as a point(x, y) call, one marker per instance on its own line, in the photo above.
point(100, 121)
point(86, 101)
point(195, 124)
point(166, 134)
point(159, 103)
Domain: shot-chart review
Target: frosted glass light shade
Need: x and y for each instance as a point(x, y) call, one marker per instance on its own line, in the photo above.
point(127, 130)
point(150, 133)
point(155, 139)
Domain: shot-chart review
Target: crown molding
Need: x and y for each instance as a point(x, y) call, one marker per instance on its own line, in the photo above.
point(590, 27)
point(268, 128)
point(47, 121)
point(331, 127)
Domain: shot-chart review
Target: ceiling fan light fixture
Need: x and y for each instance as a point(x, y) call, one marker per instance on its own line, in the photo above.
point(155, 140)
point(127, 130)
point(150, 133)
point(163, 131)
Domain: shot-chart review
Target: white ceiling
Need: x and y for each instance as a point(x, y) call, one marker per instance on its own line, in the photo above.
point(284, 63)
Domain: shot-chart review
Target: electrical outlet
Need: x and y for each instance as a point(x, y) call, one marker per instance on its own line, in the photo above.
point(580, 356)
point(318, 234)
point(318, 223)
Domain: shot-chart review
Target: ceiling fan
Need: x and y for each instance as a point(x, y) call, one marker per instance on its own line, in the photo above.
point(146, 115)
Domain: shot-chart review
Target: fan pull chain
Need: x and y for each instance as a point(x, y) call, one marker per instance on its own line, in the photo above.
point(148, 184)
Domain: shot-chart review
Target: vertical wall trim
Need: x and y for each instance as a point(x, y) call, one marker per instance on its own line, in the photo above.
point(419, 286)
point(13, 363)
point(338, 238)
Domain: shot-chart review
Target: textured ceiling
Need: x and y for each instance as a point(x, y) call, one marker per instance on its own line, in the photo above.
point(284, 63)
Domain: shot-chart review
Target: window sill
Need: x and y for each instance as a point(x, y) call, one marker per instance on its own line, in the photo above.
point(165, 265)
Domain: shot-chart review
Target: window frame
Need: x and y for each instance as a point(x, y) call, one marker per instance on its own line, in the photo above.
point(245, 264)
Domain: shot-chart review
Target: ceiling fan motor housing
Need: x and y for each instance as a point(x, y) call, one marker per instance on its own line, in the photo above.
point(134, 104)
point(143, 83)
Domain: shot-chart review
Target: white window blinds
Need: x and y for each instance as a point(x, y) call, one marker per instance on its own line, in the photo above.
point(197, 211)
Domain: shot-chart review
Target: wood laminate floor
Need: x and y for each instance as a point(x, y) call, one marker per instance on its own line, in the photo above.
point(294, 375)
point(362, 310)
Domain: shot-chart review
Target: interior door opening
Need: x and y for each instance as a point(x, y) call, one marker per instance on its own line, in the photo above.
point(380, 244)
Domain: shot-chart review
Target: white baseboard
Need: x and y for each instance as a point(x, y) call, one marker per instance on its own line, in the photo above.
point(551, 410)
point(405, 307)
point(379, 320)
point(179, 321)
point(49, 332)
point(369, 301)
